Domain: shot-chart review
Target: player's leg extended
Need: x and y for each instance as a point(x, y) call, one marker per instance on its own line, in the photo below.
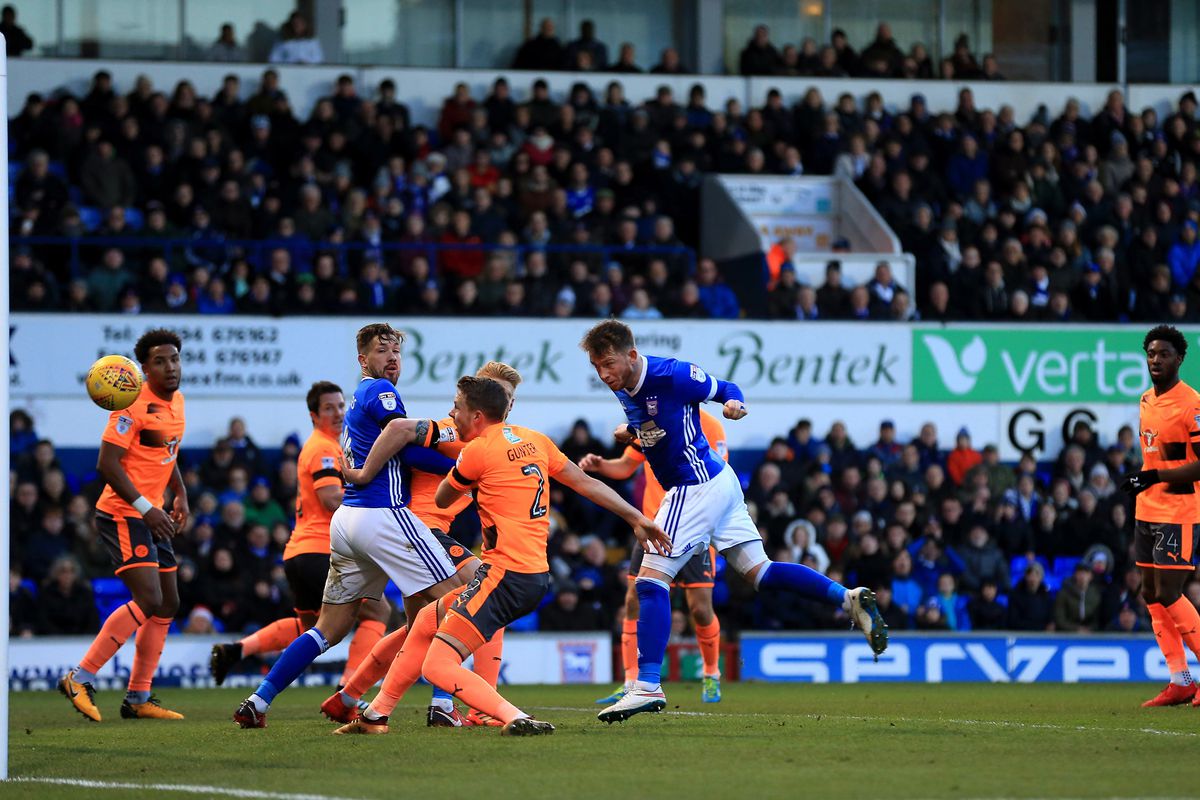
point(489, 657)
point(708, 637)
point(342, 706)
point(333, 624)
point(402, 673)
point(373, 617)
point(139, 703)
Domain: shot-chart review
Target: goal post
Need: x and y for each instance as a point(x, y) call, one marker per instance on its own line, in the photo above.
point(5, 532)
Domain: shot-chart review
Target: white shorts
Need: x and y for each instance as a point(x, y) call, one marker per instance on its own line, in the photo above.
point(367, 546)
point(694, 517)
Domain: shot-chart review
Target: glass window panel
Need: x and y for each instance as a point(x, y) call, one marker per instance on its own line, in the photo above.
point(120, 28)
point(492, 32)
point(1185, 32)
point(790, 21)
point(255, 25)
point(413, 33)
point(39, 18)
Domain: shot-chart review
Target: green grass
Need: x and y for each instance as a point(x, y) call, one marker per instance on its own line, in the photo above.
point(873, 740)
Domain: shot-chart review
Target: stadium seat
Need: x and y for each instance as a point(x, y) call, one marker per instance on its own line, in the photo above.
point(29, 585)
point(57, 168)
point(91, 217)
point(526, 624)
point(1016, 568)
point(110, 593)
point(1063, 567)
point(720, 588)
point(135, 218)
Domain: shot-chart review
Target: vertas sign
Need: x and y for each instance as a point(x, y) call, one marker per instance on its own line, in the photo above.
point(1019, 364)
point(993, 658)
point(259, 357)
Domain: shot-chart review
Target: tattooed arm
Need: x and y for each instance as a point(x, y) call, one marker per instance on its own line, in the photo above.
point(395, 436)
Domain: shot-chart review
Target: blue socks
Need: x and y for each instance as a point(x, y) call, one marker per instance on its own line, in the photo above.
point(442, 699)
point(653, 631)
point(294, 660)
point(801, 580)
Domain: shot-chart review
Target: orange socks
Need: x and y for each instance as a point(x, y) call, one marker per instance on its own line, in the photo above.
point(406, 668)
point(488, 659)
point(369, 634)
point(443, 668)
point(149, 644)
point(1169, 640)
point(120, 625)
point(1187, 623)
point(272, 638)
point(376, 664)
point(629, 649)
point(709, 638)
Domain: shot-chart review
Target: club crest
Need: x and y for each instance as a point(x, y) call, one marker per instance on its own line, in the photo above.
point(652, 406)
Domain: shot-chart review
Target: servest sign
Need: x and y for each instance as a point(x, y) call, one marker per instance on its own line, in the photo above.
point(1033, 364)
point(995, 658)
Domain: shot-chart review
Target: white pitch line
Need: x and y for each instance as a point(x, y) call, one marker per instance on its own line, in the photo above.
point(930, 720)
point(252, 794)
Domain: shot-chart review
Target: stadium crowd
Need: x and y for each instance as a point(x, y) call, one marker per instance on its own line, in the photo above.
point(356, 210)
point(948, 540)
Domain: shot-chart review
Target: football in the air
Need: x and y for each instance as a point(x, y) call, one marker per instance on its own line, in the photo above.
point(114, 382)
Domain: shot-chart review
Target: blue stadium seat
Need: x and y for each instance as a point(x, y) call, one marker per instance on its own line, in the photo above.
point(526, 624)
point(110, 594)
point(720, 588)
point(29, 585)
point(1064, 566)
point(91, 217)
point(57, 168)
point(14, 170)
point(1016, 568)
point(135, 218)
point(1002, 599)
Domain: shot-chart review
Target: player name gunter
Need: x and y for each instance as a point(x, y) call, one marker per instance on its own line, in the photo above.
point(524, 451)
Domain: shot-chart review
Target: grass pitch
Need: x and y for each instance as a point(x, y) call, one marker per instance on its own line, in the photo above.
point(763, 741)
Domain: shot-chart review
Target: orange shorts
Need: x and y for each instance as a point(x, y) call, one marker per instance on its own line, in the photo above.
point(130, 544)
point(1164, 545)
point(493, 600)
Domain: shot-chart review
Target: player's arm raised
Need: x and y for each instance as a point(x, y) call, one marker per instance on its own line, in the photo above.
point(395, 435)
point(110, 469)
point(649, 534)
point(696, 385)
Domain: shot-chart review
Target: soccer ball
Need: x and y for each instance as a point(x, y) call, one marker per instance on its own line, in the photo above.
point(114, 383)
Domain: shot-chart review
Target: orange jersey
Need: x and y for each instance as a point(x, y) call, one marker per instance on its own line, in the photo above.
point(1169, 425)
point(150, 430)
point(319, 465)
point(652, 495)
point(510, 468)
point(422, 486)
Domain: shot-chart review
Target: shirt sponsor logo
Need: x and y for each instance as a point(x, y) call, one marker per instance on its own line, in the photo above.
point(1149, 436)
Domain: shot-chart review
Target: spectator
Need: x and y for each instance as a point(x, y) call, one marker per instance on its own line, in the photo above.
point(106, 178)
point(23, 609)
point(1184, 255)
point(543, 52)
point(985, 610)
point(1077, 607)
point(16, 40)
point(718, 298)
point(669, 63)
point(1031, 607)
point(759, 57)
point(66, 606)
point(626, 62)
point(567, 613)
point(962, 458)
point(882, 58)
point(297, 44)
point(587, 42)
point(226, 47)
point(983, 560)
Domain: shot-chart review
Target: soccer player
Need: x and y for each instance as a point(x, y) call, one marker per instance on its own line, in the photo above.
point(343, 705)
point(508, 467)
point(138, 453)
point(372, 535)
point(696, 577)
point(306, 556)
point(703, 502)
point(1167, 508)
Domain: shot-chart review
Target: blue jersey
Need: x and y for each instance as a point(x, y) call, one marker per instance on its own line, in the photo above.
point(665, 408)
point(375, 403)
